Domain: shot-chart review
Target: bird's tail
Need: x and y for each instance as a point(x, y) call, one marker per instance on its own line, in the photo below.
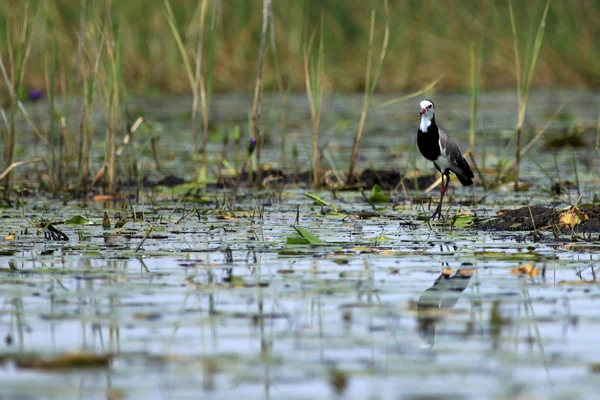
point(465, 180)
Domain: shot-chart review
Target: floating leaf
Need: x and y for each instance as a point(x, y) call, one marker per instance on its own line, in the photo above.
point(72, 360)
point(95, 254)
point(501, 255)
point(341, 261)
point(121, 223)
point(10, 236)
point(380, 238)
point(578, 282)
point(235, 280)
point(463, 219)
point(321, 202)
point(312, 239)
point(527, 269)
point(378, 195)
point(572, 217)
point(147, 316)
point(77, 220)
point(306, 237)
point(295, 252)
point(297, 240)
point(364, 249)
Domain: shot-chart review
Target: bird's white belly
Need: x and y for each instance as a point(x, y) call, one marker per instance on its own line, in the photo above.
point(443, 163)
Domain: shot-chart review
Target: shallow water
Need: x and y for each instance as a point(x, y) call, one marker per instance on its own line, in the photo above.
point(219, 305)
point(389, 139)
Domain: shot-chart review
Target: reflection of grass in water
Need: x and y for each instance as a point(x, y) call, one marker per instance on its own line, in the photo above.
point(530, 314)
point(208, 321)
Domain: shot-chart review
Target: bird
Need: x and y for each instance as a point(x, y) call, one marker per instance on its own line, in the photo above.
point(437, 146)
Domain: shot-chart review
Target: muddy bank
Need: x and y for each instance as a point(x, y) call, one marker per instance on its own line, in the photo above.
point(387, 179)
point(585, 218)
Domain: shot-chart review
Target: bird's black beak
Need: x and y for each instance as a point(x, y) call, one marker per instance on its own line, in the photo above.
point(422, 112)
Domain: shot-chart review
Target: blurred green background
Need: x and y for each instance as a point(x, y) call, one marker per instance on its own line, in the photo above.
point(428, 38)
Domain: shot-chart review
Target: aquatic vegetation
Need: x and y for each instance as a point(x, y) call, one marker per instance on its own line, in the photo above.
point(128, 266)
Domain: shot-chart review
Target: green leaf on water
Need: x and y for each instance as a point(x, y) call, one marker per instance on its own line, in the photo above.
point(236, 280)
point(308, 236)
point(380, 238)
point(121, 223)
point(93, 254)
point(463, 220)
point(322, 202)
point(297, 240)
point(506, 256)
point(77, 220)
point(378, 195)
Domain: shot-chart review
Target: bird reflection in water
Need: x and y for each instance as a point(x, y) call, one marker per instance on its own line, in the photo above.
point(439, 298)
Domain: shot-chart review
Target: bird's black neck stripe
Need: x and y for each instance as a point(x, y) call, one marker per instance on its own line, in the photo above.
point(429, 141)
point(433, 128)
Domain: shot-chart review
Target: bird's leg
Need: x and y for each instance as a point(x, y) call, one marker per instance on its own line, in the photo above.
point(443, 188)
point(437, 213)
point(444, 191)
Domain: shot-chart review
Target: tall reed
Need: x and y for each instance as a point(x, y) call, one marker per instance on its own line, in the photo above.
point(113, 55)
point(88, 69)
point(425, 29)
point(19, 50)
point(524, 77)
point(258, 87)
point(195, 79)
point(314, 71)
point(476, 63)
point(370, 85)
point(283, 91)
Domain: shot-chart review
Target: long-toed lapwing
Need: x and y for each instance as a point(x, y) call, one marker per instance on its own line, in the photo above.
point(438, 146)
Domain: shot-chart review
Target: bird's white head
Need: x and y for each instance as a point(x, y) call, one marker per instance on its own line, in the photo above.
point(426, 114)
point(427, 109)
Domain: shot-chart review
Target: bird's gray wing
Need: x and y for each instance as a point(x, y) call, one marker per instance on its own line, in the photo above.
point(450, 150)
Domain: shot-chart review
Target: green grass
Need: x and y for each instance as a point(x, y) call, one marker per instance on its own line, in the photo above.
point(314, 69)
point(524, 75)
point(92, 55)
point(427, 39)
point(370, 85)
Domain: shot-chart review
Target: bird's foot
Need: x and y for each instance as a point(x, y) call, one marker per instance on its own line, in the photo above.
point(437, 214)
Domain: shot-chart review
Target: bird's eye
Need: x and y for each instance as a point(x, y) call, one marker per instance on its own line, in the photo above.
point(429, 106)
